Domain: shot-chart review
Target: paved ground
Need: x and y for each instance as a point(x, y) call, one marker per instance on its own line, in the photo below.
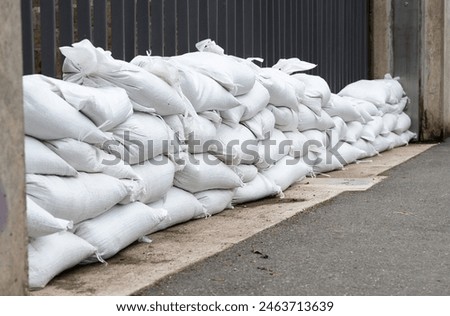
point(393, 239)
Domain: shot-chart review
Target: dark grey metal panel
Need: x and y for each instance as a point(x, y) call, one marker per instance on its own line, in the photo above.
point(249, 32)
point(157, 30)
point(83, 19)
point(143, 26)
point(117, 29)
point(333, 34)
point(222, 24)
point(65, 22)
point(48, 38)
point(100, 26)
point(129, 29)
point(193, 21)
point(257, 28)
point(406, 54)
point(212, 19)
point(231, 27)
point(239, 18)
point(182, 26)
point(27, 37)
point(203, 24)
point(170, 27)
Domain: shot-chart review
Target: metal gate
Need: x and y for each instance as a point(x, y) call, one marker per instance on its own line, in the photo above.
point(330, 33)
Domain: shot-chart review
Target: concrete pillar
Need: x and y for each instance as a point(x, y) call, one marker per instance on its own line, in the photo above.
point(446, 79)
point(381, 38)
point(432, 70)
point(13, 236)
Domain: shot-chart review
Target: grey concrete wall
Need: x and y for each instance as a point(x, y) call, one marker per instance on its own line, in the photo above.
point(13, 240)
point(411, 39)
point(446, 79)
point(406, 46)
point(381, 38)
point(432, 75)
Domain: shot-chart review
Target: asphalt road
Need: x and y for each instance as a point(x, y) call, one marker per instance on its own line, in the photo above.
point(393, 239)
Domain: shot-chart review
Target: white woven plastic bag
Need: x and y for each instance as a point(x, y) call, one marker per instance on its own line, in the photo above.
point(119, 227)
point(76, 198)
point(50, 255)
point(41, 160)
point(181, 206)
point(41, 223)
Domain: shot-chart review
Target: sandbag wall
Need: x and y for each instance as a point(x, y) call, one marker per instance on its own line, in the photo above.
point(116, 151)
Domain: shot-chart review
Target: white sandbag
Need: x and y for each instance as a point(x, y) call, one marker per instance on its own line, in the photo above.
point(389, 123)
point(142, 137)
point(307, 120)
point(292, 65)
point(76, 198)
point(395, 88)
point(233, 116)
point(50, 255)
point(246, 172)
point(339, 106)
point(239, 140)
point(261, 124)
point(346, 153)
point(365, 115)
point(372, 129)
point(175, 122)
point(316, 88)
point(286, 119)
point(273, 149)
point(299, 143)
point(181, 206)
point(382, 143)
point(322, 161)
point(363, 105)
point(160, 67)
point(47, 116)
point(87, 158)
point(236, 77)
point(41, 223)
point(94, 67)
point(254, 101)
point(200, 131)
point(366, 147)
point(215, 201)
point(354, 131)
point(107, 107)
point(41, 160)
point(287, 171)
point(205, 93)
point(403, 123)
point(207, 45)
point(257, 189)
point(205, 172)
point(396, 140)
point(119, 227)
point(282, 90)
point(408, 136)
point(157, 175)
point(396, 108)
point(376, 92)
point(317, 138)
point(340, 128)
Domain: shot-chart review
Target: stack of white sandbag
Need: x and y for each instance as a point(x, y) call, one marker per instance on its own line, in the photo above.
point(72, 183)
point(120, 150)
point(56, 193)
point(205, 186)
point(382, 103)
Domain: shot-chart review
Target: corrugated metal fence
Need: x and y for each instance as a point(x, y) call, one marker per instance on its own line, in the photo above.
point(330, 33)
